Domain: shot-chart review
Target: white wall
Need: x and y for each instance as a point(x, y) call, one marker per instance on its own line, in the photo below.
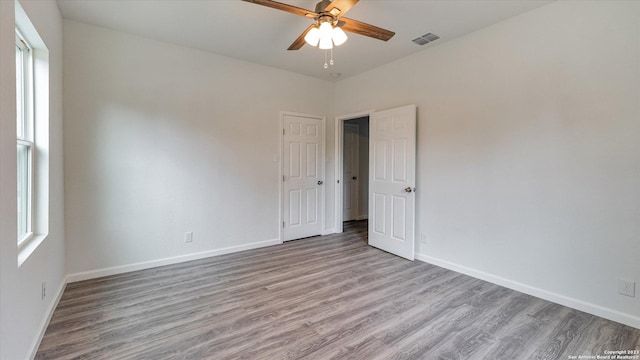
point(162, 139)
point(529, 150)
point(22, 312)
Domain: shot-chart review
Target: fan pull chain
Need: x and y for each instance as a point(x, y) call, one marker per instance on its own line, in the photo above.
point(325, 59)
point(331, 61)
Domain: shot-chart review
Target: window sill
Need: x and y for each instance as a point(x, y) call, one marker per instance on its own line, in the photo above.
point(24, 240)
point(29, 246)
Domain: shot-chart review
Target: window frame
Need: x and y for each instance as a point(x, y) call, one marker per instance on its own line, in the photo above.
point(26, 120)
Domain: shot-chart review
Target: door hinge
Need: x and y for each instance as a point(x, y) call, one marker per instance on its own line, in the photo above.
point(283, 178)
point(282, 131)
point(283, 225)
point(338, 181)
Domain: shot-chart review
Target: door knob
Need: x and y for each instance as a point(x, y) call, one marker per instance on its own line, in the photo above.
point(408, 189)
point(320, 182)
point(355, 178)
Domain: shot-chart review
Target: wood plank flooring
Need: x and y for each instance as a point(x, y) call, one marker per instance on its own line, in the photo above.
point(329, 297)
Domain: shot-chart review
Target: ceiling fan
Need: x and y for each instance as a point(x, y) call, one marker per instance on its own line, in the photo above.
point(329, 23)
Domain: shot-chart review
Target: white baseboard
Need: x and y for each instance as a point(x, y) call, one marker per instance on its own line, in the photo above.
point(92, 274)
point(47, 318)
point(362, 217)
point(573, 303)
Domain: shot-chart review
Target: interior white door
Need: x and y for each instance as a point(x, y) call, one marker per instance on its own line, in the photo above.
point(351, 167)
point(303, 177)
point(392, 174)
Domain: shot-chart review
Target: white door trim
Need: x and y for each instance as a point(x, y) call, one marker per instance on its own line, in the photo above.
point(338, 159)
point(323, 120)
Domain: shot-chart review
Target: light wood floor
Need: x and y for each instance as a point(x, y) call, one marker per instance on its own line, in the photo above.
point(330, 297)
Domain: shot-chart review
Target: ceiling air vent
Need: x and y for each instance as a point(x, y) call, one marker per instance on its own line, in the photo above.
point(425, 39)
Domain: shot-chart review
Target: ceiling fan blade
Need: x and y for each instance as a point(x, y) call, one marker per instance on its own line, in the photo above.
point(299, 42)
point(285, 7)
point(358, 27)
point(340, 7)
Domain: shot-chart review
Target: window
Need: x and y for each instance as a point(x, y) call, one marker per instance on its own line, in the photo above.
point(25, 136)
point(32, 136)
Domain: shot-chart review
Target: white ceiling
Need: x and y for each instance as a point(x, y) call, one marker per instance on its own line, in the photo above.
point(261, 35)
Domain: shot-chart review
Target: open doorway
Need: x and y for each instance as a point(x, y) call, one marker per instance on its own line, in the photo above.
point(355, 169)
point(391, 185)
point(352, 170)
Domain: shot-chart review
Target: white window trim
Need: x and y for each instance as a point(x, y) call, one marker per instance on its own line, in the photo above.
point(28, 136)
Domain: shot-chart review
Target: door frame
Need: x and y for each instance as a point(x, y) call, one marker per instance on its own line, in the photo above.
point(339, 130)
point(323, 120)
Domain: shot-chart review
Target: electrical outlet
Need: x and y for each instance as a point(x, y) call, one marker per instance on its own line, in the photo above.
point(423, 239)
point(44, 290)
point(188, 237)
point(627, 287)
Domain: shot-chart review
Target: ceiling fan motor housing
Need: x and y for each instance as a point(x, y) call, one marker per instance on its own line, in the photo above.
point(322, 5)
point(326, 18)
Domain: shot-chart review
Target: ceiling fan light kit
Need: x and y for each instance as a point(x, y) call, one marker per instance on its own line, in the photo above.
point(330, 25)
point(339, 36)
point(326, 35)
point(326, 41)
point(313, 36)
